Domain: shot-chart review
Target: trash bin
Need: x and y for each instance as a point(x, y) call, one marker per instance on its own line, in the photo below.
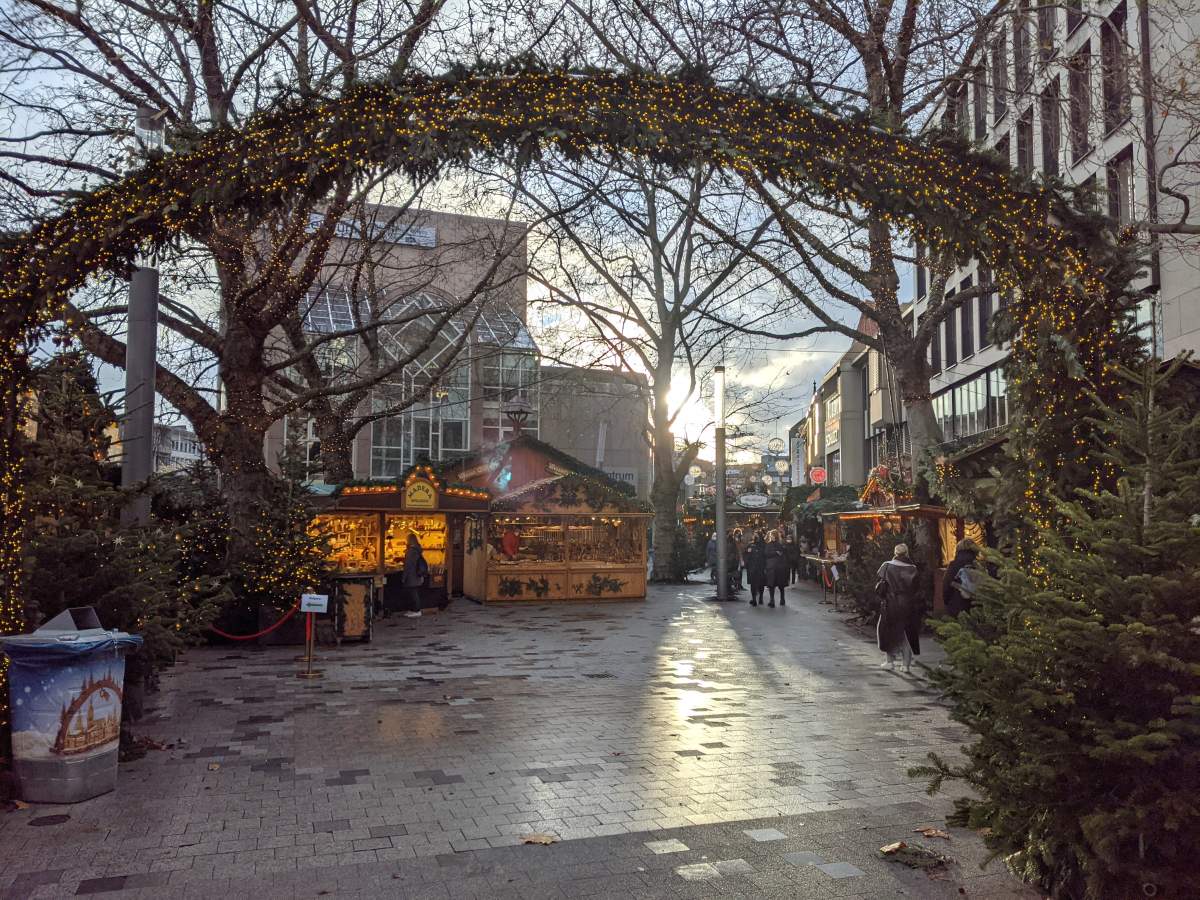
point(66, 682)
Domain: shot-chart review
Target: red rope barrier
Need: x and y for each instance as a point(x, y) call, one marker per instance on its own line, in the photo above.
point(249, 637)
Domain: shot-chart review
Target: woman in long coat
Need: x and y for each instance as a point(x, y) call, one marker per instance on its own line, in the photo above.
point(416, 572)
point(778, 567)
point(755, 557)
point(900, 609)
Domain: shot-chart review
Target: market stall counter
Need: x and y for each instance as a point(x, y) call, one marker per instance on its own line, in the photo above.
point(367, 528)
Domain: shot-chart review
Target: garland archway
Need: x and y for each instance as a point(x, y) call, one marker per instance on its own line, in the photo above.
point(950, 198)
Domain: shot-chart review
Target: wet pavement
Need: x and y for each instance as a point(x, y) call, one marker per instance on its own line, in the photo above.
point(671, 748)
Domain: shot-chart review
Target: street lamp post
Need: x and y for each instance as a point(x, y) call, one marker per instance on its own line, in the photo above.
point(141, 344)
point(722, 542)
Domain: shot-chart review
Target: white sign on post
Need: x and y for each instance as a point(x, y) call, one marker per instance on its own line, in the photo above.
point(314, 603)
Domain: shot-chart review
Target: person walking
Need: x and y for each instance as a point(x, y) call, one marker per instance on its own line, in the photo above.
point(756, 568)
point(777, 568)
point(900, 610)
point(733, 561)
point(416, 574)
point(958, 586)
point(791, 552)
point(742, 542)
point(710, 557)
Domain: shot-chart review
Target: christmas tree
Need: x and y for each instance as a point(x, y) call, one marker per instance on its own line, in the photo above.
point(1079, 669)
point(78, 554)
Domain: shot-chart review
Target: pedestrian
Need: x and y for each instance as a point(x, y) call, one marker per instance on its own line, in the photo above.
point(777, 568)
point(958, 585)
point(900, 609)
point(756, 568)
point(710, 557)
point(805, 550)
point(416, 574)
point(733, 557)
point(791, 552)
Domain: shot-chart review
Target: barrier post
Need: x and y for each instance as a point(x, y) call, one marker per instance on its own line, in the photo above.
point(310, 605)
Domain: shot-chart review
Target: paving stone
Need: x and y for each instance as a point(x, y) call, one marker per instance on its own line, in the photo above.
point(765, 834)
point(698, 872)
point(660, 847)
point(804, 858)
point(734, 867)
point(841, 870)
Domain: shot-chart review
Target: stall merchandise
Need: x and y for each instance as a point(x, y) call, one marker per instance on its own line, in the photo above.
point(367, 528)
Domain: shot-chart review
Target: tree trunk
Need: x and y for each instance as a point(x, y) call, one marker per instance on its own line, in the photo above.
point(337, 460)
point(665, 497)
point(924, 432)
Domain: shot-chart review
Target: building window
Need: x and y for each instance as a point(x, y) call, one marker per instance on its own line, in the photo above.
point(1119, 175)
point(943, 411)
point(980, 105)
point(1003, 151)
point(1114, 70)
point(1051, 128)
point(985, 311)
point(1080, 102)
point(833, 467)
point(1074, 14)
point(1022, 50)
point(920, 260)
point(997, 399)
point(948, 331)
point(966, 323)
point(1025, 142)
point(1047, 22)
point(999, 76)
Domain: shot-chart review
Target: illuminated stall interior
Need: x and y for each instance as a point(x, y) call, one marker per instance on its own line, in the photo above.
point(368, 525)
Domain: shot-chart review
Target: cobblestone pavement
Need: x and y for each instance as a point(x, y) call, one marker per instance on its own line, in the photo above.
point(675, 748)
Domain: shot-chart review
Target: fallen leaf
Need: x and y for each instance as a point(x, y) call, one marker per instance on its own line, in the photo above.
point(20, 804)
point(539, 838)
point(212, 767)
point(930, 831)
point(892, 848)
point(917, 857)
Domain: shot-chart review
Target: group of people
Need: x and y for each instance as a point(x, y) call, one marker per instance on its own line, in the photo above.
point(769, 560)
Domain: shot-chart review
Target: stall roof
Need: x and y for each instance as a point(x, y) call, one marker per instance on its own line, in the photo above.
point(493, 460)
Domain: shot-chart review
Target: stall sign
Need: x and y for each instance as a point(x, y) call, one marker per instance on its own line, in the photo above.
point(420, 494)
point(753, 501)
point(314, 603)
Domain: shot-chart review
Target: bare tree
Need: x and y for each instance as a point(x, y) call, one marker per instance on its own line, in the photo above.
point(638, 282)
point(74, 77)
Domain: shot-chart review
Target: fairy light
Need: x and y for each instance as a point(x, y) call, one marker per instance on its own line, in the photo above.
point(960, 203)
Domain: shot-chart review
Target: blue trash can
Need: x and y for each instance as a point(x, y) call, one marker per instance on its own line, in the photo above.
point(66, 682)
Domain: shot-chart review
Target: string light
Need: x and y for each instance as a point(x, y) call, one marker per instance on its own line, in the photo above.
point(961, 204)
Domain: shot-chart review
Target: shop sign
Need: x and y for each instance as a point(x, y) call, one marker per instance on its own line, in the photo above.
point(314, 603)
point(753, 501)
point(420, 494)
point(816, 475)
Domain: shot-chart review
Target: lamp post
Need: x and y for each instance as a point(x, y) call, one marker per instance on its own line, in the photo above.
point(141, 344)
point(722, 542)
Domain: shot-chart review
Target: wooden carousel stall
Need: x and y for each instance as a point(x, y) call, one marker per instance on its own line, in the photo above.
point(559, 530)
point(367, 528)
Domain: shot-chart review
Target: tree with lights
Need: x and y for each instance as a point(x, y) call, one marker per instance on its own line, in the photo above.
point(77, 553)
point(1079, 670)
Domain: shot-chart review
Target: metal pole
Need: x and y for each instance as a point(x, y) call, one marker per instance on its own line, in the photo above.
point(722, 541)
point(137, 441)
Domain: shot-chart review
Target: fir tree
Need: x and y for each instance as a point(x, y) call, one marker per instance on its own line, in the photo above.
point(78, 553)
point(1079, 671)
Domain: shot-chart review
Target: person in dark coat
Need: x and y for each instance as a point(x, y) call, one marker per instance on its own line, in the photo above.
point(900, 609)
point(416, 573)
point(958, 585)
point(791, 551)
point(710, 557)
point(755, 557)
point(777, 568)
point(733, 556)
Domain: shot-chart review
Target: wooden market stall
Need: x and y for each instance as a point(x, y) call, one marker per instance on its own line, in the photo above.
point(367, 528)
point(558, 529)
